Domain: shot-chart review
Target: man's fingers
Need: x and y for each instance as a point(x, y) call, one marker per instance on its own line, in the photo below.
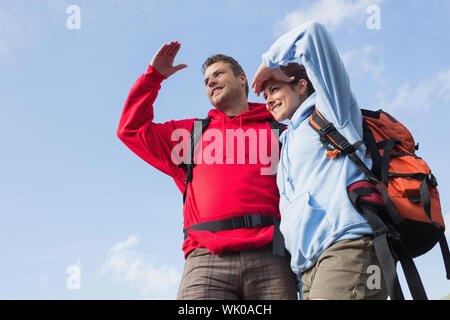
point(162, 50)
point(175, 49)
point(168, 48)
point(174, 46)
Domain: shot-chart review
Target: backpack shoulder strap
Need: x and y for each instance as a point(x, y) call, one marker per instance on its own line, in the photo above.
point(336, 143)
point(277, 127)
point(194, 138)
point(372, 149)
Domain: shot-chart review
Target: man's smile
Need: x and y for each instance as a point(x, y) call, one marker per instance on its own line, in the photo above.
point(214, 90)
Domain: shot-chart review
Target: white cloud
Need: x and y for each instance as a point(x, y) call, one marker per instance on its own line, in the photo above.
point(422, 95)
point(127, 266)
point(361, 63)
point(332, 13)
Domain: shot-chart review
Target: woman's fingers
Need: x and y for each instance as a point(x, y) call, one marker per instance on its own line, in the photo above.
point(263, 74)
point(257, 86)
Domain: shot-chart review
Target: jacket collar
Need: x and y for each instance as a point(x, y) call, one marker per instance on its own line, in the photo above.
point(301, 114)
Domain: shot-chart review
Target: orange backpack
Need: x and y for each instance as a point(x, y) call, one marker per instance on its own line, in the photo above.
point(400, 198)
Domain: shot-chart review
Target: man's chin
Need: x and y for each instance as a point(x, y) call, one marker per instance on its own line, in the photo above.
point(218, 103)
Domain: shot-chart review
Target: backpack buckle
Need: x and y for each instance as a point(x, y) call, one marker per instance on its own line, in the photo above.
point(347, 148)
point(252, 221)
point(327, 128)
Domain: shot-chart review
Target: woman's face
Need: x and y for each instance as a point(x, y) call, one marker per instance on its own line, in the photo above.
point(282, 100)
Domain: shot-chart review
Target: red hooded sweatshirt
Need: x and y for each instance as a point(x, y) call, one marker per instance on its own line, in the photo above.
point(230, 186)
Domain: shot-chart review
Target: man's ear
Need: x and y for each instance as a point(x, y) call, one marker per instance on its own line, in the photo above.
point(243, 78)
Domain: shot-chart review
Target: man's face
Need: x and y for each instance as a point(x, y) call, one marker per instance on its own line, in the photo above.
point(222, 86)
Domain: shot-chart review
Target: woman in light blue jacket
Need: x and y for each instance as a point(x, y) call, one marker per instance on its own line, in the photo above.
point(329, 240)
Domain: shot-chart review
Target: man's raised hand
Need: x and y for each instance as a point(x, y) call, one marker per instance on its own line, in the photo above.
point(163, 60)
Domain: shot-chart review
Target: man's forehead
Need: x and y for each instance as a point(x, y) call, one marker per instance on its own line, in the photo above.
point(216, 66)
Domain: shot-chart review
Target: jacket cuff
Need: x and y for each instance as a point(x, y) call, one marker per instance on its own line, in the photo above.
point(267, 61)
point(153, 75)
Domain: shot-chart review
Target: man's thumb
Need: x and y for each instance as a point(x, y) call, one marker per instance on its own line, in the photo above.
point(180, 66)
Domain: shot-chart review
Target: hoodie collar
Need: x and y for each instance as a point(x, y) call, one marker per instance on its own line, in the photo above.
point(257, 111)
point(303, 112)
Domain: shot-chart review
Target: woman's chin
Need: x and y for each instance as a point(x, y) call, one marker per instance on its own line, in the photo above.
point(277, 117)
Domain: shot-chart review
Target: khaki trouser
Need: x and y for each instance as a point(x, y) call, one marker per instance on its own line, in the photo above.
point(347, 270)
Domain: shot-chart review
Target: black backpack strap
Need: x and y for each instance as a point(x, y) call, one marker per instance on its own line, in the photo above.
point(278, 240)
point(369, 201)
point(383, 240)
point(366, 198)
point(274, 124)
point(279, 248)
point(425, 197)
point(445, 253)
point(194, 138)
point(386, 158)
point(372, 149)
point(277, 127)
point(248, 221)
point(334, 141)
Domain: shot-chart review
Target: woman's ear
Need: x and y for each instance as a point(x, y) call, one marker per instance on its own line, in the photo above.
point(302, 87)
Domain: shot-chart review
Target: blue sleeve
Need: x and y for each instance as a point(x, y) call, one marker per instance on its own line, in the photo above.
point(311, 45)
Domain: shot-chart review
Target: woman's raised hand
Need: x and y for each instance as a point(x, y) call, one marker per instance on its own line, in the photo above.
point(264, 73)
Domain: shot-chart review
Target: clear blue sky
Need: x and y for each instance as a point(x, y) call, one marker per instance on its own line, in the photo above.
point(72, 194)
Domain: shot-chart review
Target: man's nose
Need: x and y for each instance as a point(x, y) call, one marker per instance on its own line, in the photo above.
point(212, 83)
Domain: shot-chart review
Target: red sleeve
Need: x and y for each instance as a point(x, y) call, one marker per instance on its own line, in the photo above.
point(151, 141)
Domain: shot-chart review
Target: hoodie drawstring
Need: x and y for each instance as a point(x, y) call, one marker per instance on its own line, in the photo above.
point(287, 161)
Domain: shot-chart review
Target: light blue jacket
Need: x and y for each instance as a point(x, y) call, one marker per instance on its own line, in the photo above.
point(315, 208)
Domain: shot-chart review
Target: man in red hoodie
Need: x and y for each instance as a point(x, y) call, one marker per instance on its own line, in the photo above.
point(231, 205)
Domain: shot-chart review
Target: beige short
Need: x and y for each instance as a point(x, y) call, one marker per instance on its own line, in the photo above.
point(347, 270)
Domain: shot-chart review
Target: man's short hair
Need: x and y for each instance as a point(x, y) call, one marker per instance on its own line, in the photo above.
point(235, 66)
